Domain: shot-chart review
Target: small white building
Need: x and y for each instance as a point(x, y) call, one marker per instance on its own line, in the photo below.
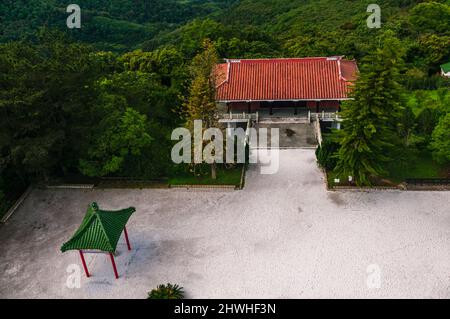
point(445, 70)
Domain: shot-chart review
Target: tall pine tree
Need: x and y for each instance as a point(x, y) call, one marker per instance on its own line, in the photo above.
point(369, 133)
point(201, 103)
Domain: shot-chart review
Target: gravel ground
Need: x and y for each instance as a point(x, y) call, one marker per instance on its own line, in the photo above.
point(283, 236)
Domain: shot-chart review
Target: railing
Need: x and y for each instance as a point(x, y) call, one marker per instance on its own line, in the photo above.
point(240, 116)
point(428, 181)
point(256, 116)
point(325, 116)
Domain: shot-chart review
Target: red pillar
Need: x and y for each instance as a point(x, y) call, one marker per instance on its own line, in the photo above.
point(114, 265)
point(84, 264)
point(126, 238)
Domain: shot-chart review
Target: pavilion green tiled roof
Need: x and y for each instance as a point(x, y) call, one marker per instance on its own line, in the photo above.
point(99, 230)
point(446, 67)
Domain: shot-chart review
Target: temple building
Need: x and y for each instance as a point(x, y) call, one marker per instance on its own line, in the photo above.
point(291, 86)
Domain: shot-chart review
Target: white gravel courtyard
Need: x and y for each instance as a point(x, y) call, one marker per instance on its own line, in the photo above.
point(283, 236)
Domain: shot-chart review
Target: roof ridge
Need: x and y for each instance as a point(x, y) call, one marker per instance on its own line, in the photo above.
point(227, 74)
point(302, 59)
point(103, 228)
point(276, 60)
point(94, 216)
point(81, 230)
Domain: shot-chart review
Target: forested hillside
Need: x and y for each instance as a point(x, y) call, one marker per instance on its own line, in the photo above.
point(102, 100)
point(113, 25)
point(247, 28)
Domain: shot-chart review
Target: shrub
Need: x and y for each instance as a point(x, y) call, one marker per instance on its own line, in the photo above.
point(427, 120)
point(434, 82)
point(326, 154)
point(168, 291)
point(440, 143)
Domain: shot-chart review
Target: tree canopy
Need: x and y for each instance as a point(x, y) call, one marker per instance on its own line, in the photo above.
point(370, 120)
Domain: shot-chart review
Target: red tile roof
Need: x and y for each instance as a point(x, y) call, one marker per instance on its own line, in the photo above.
point(285, 79)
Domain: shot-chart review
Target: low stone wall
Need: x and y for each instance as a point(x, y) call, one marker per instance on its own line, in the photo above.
point(225, 187)
point(242, 183)
point(16, 205)
point(71, 186)
point(363, 188)
point(400, 187)
point(412, 187)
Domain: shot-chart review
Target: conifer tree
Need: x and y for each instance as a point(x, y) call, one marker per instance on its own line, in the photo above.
point(369, 132)
point(201, 103)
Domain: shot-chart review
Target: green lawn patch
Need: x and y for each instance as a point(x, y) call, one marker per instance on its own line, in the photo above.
point(421, 167)
point(231, 176)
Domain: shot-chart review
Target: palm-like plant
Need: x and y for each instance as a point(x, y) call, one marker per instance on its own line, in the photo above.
point(168, 291)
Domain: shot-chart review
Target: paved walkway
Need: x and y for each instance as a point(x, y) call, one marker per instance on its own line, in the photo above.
point(292, 135)
point(283, 236)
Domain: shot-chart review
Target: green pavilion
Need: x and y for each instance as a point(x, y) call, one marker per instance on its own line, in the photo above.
point(100, 231)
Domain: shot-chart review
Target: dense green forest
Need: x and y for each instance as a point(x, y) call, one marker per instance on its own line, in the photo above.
point(102, 100)
point(247, 28)
point(118, 25)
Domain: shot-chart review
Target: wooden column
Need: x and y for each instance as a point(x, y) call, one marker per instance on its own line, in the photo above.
point(249, 107)
point(271, 105)
point(295, 107)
